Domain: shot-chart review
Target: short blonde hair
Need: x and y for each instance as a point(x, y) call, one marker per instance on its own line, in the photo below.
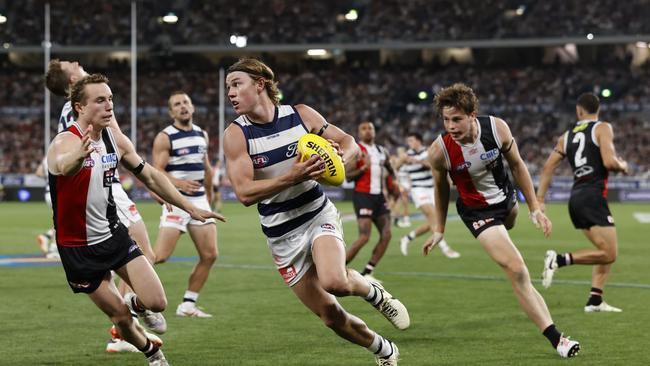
point(78, 91)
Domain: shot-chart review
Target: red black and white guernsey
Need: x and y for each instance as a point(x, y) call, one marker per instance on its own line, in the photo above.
point(371, 181)
point(477, 169)
point(84, 210)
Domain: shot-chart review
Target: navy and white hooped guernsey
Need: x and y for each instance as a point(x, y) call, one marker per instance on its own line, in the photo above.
point(272, 148)
point(186, 156)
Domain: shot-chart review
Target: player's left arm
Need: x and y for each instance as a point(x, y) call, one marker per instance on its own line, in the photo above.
point(520, 172)
point(553, 161)
point(207, 179)
point(605, 139)
point(157, 181)
point(317, 124)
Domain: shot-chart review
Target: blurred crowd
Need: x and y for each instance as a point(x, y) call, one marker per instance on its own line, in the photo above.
point(538, 103)
point(295, 21)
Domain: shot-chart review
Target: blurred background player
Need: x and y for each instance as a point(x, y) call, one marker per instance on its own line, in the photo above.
point(370, 205)
point(46, 241)
point(217, 178)
point(302, 226)
point(399, 206)
point(60, 76)
point(414, 162)
point(181, 151)
point(471, 152)
point(589, 147)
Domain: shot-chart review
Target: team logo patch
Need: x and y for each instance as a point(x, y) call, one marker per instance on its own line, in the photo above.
point(480, 223)
point(463, 166)
point(365, 212)
point(81, 285)
point(328, 227)
point(472, 151)
point(183, 151)
point(610, 219)
point(89, 163)
point(287, 273)
point(260, 161)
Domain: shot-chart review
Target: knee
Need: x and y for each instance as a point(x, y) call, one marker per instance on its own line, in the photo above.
point(337, 286)
point(363, 238)
point(387, 235)
point(609, 256)
point(517, 271)
point(155, 303)
point(209, 257)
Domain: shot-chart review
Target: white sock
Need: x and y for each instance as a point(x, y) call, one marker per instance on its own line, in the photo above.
point(443, 245)
point(380, 346)
point(190, 296)
point(412, 235)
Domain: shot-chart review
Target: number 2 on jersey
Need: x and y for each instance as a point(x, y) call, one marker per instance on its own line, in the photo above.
point(579, 160)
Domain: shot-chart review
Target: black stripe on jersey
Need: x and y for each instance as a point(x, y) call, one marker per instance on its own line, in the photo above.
point(489, 143)
point(111, 209)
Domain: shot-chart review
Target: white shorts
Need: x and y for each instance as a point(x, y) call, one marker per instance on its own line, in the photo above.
point(404, 181)
point(292, 251)
point(126, 210)
point(422, 196)
point(179, 219)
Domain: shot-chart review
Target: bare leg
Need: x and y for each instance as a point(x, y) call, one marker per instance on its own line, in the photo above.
point(166, 243)
point(497, 243)
point(365, 226)
point(138, 232)
point(205, 241)
point(383, 225)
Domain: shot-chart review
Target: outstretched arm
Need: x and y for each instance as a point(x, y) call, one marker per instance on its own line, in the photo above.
point(553, 161)
point(522, 176)
point(67, 153)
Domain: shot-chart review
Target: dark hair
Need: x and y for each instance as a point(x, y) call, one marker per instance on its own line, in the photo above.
point(459, 96)
point(56, 80)
point(257, 70)
point(589, 102)
point(78, 91)
point(417, 135)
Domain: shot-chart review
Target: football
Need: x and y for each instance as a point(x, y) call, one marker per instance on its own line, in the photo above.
point(311, 144)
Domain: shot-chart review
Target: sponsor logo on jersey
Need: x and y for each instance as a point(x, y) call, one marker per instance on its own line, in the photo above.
point(287, 273)
point(472, 151)
point(109, 161)
point(174, 218)
point(580, 127)
point(463, 166)
point(183, 151)
point(260, 161)
point(292, 150)
point(490, 155)
point(480, 223)
point(583, 170)
point(328, 227)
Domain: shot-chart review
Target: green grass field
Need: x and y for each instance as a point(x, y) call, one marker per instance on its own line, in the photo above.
point(463, 311)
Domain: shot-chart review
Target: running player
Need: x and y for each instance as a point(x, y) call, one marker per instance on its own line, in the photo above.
point(302, 226)
point(181, 151)
point(399, 207)
point(589, 147)
point(370, 205)
point(471, 152)
point(59, 78)
point(92, 241)
point(414, 162)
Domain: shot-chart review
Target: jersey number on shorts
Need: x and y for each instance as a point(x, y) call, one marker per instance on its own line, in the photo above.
point(579, 160)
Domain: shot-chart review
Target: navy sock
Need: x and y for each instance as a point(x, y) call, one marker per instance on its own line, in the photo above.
point(596, 296)
point(552, 334)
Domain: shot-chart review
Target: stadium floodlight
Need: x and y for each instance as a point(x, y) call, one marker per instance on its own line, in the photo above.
point(606, 93)
point(642, 44)
point(233, 39)
point(316, 52)
point(170, 18)
point(590, 36)
point(3, 19)
point(520, 10)
point(6, 45)
point(241, 41)
point(352, 15)
point(423, 95)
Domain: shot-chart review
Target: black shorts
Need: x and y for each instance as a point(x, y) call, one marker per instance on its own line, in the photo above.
point(588, 207)
point(85, 267)
point(479, 219)
point(369, 205)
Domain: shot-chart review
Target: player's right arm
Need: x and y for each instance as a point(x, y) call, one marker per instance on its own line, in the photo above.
point(441, 193)
point(160, 157)
point(605, 139)
point(67, 153)
point(240, 170)
point(553, 161)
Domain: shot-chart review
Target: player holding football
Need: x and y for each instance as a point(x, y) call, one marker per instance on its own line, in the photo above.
point(471, 152)
point(302, 226)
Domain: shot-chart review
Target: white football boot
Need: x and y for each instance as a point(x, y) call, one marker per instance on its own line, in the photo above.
point(189, 309)
point(391, 360)
point(568, 348)
point(603, 307)
point(550, 266)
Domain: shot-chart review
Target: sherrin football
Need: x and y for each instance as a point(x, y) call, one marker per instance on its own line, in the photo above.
point(312, 144)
